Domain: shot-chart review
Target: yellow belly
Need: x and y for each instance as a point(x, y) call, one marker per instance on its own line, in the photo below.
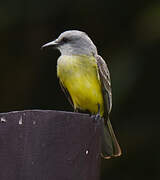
point(79, 75)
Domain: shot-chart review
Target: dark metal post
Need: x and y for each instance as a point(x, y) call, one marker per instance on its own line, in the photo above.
point(49, 145)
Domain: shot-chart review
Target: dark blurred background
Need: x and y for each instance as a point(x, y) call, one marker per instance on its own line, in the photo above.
point(127, 34)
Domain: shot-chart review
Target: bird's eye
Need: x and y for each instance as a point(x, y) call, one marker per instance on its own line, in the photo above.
point(65, 40)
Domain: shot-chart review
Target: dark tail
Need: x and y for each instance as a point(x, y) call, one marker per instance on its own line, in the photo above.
point(110, 147)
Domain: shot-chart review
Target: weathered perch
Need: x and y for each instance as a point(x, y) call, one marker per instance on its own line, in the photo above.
point(48, 145)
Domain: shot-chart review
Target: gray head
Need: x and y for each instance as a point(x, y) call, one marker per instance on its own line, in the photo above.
point(73, 42)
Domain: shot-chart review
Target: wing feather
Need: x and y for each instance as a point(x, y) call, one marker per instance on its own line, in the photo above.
point(105, 83)
point(66, 93)
point(110, 146)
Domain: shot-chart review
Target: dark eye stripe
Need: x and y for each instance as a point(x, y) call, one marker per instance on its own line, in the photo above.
point(65, 40)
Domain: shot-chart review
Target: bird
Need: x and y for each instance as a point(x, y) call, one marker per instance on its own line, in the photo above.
point(85, 79)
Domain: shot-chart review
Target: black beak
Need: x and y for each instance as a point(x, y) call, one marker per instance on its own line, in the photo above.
point(53, 44)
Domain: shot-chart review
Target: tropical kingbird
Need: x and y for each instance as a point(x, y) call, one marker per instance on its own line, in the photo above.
point(85, 79)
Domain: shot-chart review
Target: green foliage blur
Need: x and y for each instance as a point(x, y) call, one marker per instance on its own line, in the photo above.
point(127, 34)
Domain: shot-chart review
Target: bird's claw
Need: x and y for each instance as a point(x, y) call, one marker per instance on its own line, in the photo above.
point(96, 117)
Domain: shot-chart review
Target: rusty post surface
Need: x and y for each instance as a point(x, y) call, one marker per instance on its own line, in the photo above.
point(49, 145)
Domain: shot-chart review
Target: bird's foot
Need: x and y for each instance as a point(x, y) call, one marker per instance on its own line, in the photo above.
point(96, 117)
